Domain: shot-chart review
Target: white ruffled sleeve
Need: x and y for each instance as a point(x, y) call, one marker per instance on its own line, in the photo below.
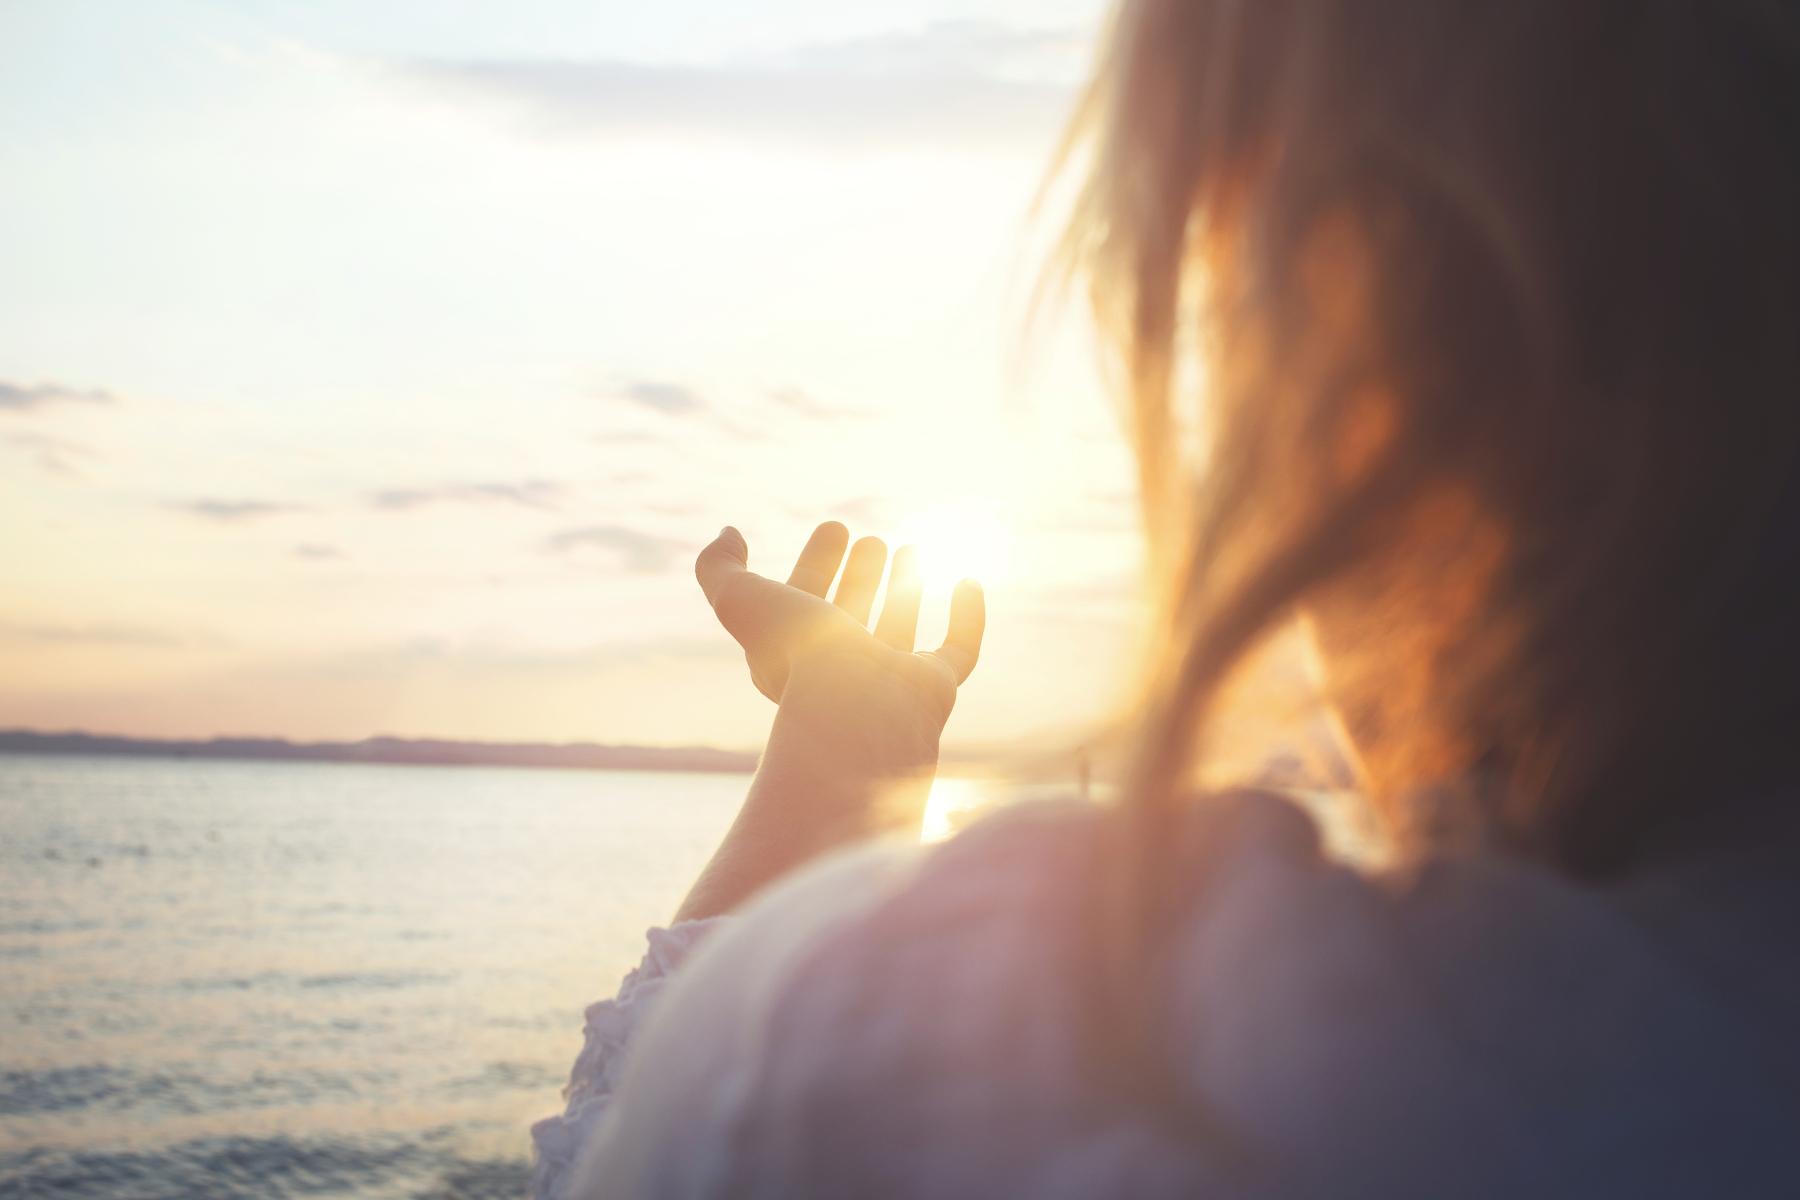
point(612, 1025)
point(693, 1074)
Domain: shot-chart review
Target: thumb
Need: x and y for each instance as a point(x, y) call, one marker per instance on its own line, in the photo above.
point(724, 557)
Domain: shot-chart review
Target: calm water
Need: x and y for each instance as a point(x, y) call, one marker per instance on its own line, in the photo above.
point(268, 979)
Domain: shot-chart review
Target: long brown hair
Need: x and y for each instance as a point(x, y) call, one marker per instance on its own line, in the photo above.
point(1498, 308)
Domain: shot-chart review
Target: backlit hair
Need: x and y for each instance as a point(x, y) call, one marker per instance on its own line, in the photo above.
point(1496, 306)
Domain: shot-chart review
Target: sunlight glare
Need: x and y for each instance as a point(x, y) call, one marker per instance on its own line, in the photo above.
point(952, 803)
point(958, 541)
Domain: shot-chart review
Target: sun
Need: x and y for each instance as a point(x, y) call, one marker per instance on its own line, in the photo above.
point(957, 541)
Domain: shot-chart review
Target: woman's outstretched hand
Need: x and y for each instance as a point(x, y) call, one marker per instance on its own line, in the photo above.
point(777, 624)
point(855, 739)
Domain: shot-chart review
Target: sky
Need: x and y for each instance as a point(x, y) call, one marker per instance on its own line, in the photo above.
point(379, 367)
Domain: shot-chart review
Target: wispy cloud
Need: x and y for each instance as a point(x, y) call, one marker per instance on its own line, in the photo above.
point(317, 552)
point(951, 49)
point(228, 511)
point(499, 660)
point(16, 397)
point(52, 454)
point(958, 85)
point(535, 493)
point(798, 401)
point(669, 399)
point(684, 403)
point(641, 553)
point(93, 635)
point(865, 511)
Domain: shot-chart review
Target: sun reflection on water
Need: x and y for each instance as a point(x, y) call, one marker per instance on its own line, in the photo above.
point(953, 804)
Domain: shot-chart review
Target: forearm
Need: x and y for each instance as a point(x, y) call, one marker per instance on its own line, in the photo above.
point(855, 740)
point(822, 783)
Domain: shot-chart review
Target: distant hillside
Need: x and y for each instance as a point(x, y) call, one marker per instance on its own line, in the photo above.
point(583, 755)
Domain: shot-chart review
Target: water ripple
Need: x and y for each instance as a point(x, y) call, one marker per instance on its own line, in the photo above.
point(236, 1168)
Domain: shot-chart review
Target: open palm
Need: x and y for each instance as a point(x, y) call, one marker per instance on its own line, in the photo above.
point(789, 627)
point(854, 743)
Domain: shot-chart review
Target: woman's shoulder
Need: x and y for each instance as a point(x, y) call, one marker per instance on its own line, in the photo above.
point(916, 1016)
point(934, 1039)
point(955, 938)
point(873, 976)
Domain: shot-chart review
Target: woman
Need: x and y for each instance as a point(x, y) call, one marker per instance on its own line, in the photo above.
point(1497, 303)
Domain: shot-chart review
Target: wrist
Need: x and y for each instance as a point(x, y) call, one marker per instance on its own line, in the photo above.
point(849, 754)
point(819, 805)
point(843, 718)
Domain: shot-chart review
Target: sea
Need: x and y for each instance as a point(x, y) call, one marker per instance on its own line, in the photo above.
point(256, 979)
point(224, 979)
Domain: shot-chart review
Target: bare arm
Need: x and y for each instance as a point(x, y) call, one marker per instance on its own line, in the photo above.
point(855, 740)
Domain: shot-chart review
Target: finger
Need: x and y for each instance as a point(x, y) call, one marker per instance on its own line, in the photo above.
point(862, 576)
point(968, 621)
point(818, 563)
point(724, 556)
point(899, 622)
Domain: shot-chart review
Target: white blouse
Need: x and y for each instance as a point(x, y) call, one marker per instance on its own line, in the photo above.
point(904, 1022)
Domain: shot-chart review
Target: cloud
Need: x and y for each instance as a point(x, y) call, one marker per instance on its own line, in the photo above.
point(624, 438)
point(92, 635)
point(226, 511)
point(487, 659)
point(53, 454)
point(18, 398)
point(806, 406)
point(864, 511)
point(535, 493)
point(958, 85)
point(642, 553)
point(951, 48)
point(682, 402)
point(317, 552)
point(670, 399)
